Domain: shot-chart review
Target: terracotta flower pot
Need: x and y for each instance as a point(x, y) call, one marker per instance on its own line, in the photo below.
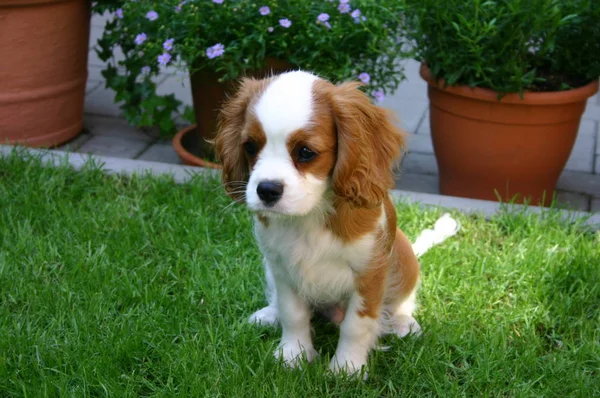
point(208, 95)
point(44, 48)
point(514, 149)
point(187, 138)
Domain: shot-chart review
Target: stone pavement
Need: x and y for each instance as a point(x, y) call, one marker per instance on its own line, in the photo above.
point(107, 134)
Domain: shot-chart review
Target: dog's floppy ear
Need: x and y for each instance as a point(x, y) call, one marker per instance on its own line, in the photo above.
point(228, 141)
point(368, 145)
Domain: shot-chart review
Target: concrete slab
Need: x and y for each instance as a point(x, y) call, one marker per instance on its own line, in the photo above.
point(95, 73)
point(595, 206)
point(598, 138)
point(93, 59)
point(584, 183)
point(101, 102)
point(573, 201)
point(412, 90)
point(177, 84)
point(100, 20)
point(419, 163)
point(409, 111)
point(582, 155)
point(419, 143)
point(592, 111)
point(425, 126)
point(161, 151)
point(418, 182)
point(411, 71)
point(486, 208)
point(92, 85)
point(115, 127)
point(587, 127)
point(76, 142)
point(118, 147)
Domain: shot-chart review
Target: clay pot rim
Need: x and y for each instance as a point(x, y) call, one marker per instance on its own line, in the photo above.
point(187, 157)
point(529, 98)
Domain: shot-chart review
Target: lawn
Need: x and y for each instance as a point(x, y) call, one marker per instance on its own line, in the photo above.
point(136, 286)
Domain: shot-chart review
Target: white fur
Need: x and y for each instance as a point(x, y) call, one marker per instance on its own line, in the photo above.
point(444, 228)
point(303, 254)
point(294, 315)
point(285, 107)
point(358, 335)
point(287, 104)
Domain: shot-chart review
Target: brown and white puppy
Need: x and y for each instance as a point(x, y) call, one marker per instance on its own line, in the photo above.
point(313, 161)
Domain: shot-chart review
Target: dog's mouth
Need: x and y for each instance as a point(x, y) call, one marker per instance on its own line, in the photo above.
point(272, 213)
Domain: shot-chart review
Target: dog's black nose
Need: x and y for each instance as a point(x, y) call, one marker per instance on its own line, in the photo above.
point(269, 192)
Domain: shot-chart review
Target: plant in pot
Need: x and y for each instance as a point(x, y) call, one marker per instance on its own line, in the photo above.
point(43, 70)
point(507, 82)
point(219, 41)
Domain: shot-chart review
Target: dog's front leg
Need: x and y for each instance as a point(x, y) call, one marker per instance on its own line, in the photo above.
point(267, 316)
point(358, 334)
point(294, 316)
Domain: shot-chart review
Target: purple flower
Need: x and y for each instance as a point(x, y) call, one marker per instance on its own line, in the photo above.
point(164, 58)
point(286, 23)
point(270, 29)
point(327, 25)
point(344, 8)
point(168, 44)
point(378, 95)
point(140, 39)
point(264, 10)
point(215, 51)
point(146, 70)
point(218, 1)
point(323, 17)
point(152, 15)
point(355, 14)
point(178, 7)
point(119, 13)
point(365, 77)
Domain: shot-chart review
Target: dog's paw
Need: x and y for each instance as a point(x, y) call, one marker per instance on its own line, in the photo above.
point(347, 364)
point(405, 325)
point(265, 316)
point(293, 353)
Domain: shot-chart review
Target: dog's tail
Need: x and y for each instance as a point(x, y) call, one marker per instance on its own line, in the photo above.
point(444, 228)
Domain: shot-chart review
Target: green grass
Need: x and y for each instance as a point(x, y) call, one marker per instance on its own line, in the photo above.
point(113, 286)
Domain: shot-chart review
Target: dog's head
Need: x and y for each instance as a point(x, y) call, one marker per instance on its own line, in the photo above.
point(288, 142)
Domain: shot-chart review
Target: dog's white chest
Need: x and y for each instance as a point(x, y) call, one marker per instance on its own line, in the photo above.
point(308, 257)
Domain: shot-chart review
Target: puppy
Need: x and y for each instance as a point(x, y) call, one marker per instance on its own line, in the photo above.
point(313, 161)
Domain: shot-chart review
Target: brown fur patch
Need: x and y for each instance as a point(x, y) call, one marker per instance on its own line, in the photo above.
point(404, 268)
point(370, 285)
point(228, 142)
point(255, 134)
point(350, 223)
point(404, 271)
point(263, 220)
point(319, 139)
point(368, 146)
point(393, 272)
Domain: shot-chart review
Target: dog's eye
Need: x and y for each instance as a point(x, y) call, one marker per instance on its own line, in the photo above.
point(305, 154)
point(250, 148)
